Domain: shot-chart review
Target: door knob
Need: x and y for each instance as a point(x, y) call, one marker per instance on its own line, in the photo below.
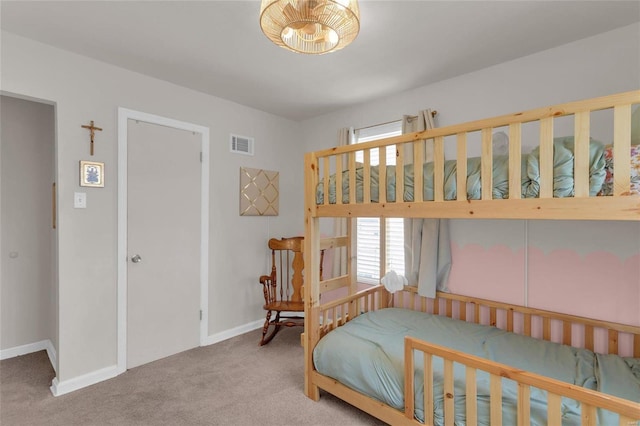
point(136, 259)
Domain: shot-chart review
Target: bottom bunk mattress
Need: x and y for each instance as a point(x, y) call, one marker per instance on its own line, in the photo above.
point(367, 355)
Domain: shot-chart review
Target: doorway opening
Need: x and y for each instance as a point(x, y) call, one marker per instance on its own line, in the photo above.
point(29, 238)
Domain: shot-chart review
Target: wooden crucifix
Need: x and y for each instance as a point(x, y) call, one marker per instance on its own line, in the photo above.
point(92, 129)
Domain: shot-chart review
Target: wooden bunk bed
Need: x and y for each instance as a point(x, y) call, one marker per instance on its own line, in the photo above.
point(341, 201)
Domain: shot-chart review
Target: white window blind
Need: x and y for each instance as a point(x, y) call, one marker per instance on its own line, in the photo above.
point(368, 228)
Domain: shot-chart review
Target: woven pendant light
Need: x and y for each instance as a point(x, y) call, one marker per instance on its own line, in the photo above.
point(310, 26)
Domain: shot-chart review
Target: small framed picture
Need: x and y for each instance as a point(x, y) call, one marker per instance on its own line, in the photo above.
point(92, 174)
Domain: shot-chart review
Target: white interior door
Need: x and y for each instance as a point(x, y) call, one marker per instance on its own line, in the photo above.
point(163, 241)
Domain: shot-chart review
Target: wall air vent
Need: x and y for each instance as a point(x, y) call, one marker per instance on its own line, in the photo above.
point(241, 145)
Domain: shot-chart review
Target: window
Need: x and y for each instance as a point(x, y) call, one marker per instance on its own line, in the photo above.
point(368, 228)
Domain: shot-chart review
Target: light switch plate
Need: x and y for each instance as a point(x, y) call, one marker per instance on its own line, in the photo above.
point(80, 200)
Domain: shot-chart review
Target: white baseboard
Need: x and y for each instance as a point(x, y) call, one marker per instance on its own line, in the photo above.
point(24, 349)
point(233, 332)
point(60, 388)
point(53, 357)
point(43, 345)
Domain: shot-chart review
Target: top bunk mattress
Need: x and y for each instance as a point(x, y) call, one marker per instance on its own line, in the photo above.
point(600, 176)
point(367, 355)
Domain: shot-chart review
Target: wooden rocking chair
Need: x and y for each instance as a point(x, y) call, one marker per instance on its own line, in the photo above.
point(283, 288)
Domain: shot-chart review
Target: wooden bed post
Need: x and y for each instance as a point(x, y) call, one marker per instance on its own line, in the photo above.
point(312, 281)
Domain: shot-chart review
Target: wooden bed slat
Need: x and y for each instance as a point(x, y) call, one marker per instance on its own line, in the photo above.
point(471, 397)
point(366, 177)
point(463, 311)
point(493, 317)
point(546, 328)
point(449, 396)
point(418, 158)
point(409, 385)
point(495, 392)
point(524, 405)
point(382, 174)
point(588, 415)
point(338, 175)
point(325, 182)
point(566, 333)
point(613, 342)
point(352, 177)
point(461, 165)
point(428, 389)
point(515, 162)
point(335, 318)
point(486, 167)
point(438, 168)
point(399, 173)
point(546, 158)
point(581, 153)
point(621, 145)
point(527, 324)
point(554, 413)
point(588, 337)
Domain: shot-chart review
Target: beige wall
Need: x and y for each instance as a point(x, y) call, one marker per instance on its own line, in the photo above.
point(83, 90)
point(596, 66)
point(27, 286)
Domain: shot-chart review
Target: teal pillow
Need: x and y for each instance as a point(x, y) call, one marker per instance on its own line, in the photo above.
point(618, 376)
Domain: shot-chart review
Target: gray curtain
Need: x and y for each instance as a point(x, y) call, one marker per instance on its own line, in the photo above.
point(427, 246)
point(340, 224)
point(418, 123)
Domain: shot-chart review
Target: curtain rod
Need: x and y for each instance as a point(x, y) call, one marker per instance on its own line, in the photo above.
point(433, 114)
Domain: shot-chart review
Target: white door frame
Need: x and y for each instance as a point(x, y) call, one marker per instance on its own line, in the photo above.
point(124, 115)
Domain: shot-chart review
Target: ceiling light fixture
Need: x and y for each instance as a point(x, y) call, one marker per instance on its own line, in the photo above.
point(310, 26)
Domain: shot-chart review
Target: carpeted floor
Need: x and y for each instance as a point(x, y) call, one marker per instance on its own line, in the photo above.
point(234, 382)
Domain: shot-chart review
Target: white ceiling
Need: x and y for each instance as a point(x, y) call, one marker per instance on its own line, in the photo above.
point(217, 47)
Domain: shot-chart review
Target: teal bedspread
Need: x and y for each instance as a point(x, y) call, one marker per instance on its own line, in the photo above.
point(367, 354)
point(563, 182)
